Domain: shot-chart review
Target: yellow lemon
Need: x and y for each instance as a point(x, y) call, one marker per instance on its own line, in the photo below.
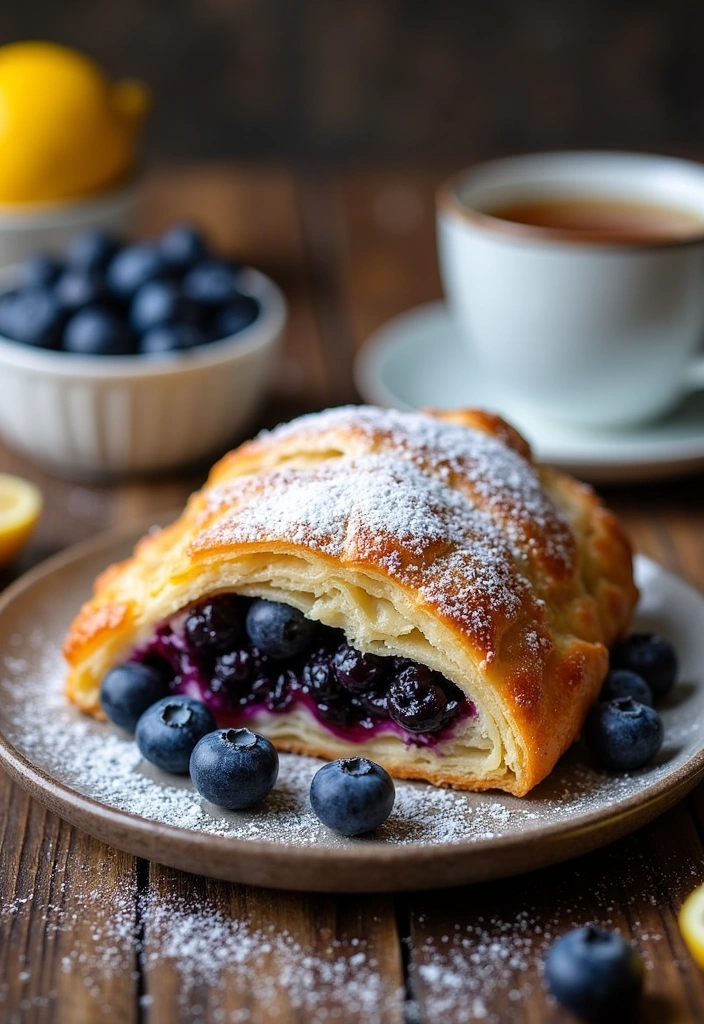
point(20, 506)
point(691, 922)
point(66, 131)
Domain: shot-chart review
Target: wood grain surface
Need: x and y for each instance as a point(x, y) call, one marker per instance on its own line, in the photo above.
point(88, 934)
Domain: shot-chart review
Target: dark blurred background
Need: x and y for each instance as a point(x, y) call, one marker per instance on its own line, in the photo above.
point(360, 81)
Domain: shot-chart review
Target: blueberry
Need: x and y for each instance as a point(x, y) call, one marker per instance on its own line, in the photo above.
point(134, 266)
point(355, 671)
point(32, 317)
point(157, 303)
point(168, 731)
point(128, 690)
point(319, 677)
point(417, 701)
point(38, 272)
point(78, 288)
point(235, 316)
point(622, 683)
point(98, 331)
point(595, 973)
point(649, 656)
point(7, 307)
point(170, 338)
point(623, 735)
point(375, 703)
point(275, 688)
point(341, 713)
point(216, 624)
point(352, 796)
point(234, 768)
point(278, 629)
point(212, 284)
point(91, 251)
point(235, 667)
point(182, 246)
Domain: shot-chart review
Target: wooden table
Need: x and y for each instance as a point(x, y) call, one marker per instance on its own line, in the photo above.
point(89, 934)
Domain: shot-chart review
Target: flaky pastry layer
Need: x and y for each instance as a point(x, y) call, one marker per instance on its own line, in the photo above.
point(430, 536)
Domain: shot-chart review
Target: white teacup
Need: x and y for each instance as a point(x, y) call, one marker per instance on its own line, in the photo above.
point(581, 325)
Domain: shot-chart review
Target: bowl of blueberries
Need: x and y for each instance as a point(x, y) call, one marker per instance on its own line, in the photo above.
point(133, 357)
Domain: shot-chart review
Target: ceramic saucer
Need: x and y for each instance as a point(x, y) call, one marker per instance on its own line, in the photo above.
point(417, 360)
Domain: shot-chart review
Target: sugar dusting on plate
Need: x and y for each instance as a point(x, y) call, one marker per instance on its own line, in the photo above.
point(207, 942)
point(97, 760)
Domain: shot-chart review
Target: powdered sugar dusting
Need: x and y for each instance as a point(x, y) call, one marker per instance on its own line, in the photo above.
point(494, 475)
point(98, 760)
point(200, 943)
point(387, 513)
point(464, 966)
point(451, 512)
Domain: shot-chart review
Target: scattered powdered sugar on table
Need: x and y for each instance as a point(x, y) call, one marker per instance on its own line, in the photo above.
point(468, 974)
point(177, 932)
point(196, 941)
point(99, 761)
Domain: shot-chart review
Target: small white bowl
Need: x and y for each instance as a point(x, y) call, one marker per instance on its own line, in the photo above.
point(26, 228)
point(102, 416)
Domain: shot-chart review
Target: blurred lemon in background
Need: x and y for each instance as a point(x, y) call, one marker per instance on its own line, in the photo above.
point(691, 922)
point(66, 131)
point(20, 507)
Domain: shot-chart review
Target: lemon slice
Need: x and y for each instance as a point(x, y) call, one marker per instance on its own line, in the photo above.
point(20, 505)
point(691, 922)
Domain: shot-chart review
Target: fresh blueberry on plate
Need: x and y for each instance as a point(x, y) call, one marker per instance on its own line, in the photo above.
point(182, 246)
point(278, 629)
point(234, 768)
point(98, 331)
point(235, 316)
point(78, 288)
point(132, 267)
point(594, 973)
point(650, 656)
point(38, 271)
point(126, 692)
point(216, 624)
point(623, 735)
point(352, 796)
point(91, 251)
point(170, 338)
point(168, 731)
point(622, 683)
point(32, 317)
point(212, 283)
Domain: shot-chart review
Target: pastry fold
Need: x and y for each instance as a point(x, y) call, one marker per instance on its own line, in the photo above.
point(431, 537)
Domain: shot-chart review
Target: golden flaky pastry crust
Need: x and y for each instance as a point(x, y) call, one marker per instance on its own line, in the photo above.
point(431, 536)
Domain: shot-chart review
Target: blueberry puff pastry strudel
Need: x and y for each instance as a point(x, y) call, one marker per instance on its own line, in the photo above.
point(464, 598)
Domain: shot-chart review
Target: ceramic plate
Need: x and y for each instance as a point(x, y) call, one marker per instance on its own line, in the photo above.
point(417, 360)
point(91, 774)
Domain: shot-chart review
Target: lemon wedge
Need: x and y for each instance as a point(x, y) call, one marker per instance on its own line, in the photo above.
point(20, 506)
point(691, 922)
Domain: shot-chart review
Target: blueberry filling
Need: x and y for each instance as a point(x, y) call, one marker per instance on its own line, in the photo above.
point(209, 653)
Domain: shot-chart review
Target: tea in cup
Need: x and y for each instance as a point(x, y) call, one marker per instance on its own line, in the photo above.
point(577, 280)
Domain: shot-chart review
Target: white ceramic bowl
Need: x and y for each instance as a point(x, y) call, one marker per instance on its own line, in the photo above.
point(102, 416)
point(47, 227)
